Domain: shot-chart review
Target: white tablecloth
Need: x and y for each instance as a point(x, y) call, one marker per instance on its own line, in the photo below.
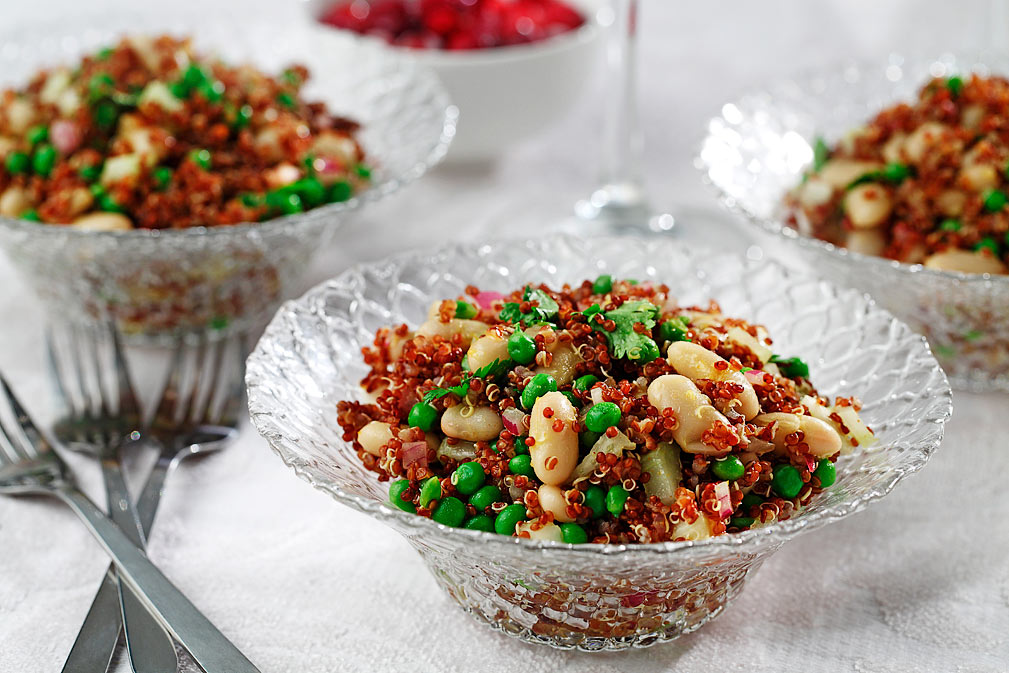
point(919, 582)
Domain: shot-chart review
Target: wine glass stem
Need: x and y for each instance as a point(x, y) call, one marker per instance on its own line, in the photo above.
point(621, 135)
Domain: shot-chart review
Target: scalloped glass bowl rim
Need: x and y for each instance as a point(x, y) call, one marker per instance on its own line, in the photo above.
point(376, 193)
point(783, 530)
point(776, 226)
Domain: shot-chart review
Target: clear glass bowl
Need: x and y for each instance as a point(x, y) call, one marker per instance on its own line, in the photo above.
point(758, 148)
point(593, 597)
point(156, 282)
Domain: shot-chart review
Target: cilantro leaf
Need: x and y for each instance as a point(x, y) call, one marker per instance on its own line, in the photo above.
point(491, 370)
point(544, 312)
point(791, 367)
point(624, 341)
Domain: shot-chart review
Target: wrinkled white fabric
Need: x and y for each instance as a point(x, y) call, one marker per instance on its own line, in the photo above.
point(917, 583)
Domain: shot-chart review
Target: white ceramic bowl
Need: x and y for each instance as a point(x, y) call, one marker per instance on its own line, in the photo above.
point(508, 94)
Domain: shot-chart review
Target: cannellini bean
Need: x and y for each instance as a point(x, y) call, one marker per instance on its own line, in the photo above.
point(696, 362)
point(468, 330)
point(20, 115)
point(893, 148)
point(474, 424)
point(562, 367)
point(951, 202)
point(374, 436)
point(815, 192)
point(267, 143)
point(866, 241)
point(699, 530)
point(80, 200)
point(839, 173)
point(972, 116)
point(103, 222)
point(692, 409)
point(555, 451)
point(551, 531)
point(552, 500)
point(822, 439)
point(14, 201)
point(335, 145)
point(56, 83)
point(979, 177)
point(868, 205)
point(490, 347)
point(922, 139)
point(965, 261)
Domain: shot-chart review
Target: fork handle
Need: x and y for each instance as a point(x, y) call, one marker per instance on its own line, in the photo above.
point(208, 646)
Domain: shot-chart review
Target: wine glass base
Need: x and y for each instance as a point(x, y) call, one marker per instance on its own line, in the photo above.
point(621, 209)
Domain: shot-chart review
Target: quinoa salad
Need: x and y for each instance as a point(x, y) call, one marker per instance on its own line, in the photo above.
point(925, 182)
point(146, 134)
point(605, 412)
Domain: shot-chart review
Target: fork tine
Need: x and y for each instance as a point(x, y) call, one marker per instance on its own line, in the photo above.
point(165, 414)
point(36, 443)
point(98, 369)
point(216, 364)
point(57, 375)
point(231, 407)
point(129, 407)
point(77, 356)
point(194, 386)
point(9, 447)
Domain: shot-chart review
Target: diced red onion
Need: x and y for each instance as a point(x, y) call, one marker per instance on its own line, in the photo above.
point(724, 500)
point(414, 453)
point(486, 300)
point(327, 166)
point(811, 463)
point(515, 421)
point(755, 376)
point(66, 136)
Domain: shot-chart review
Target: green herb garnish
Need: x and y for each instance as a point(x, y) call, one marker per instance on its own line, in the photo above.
point(545, 311)
point(492, 370)
point(791, 367)
point(624, 340)
point(820, 153)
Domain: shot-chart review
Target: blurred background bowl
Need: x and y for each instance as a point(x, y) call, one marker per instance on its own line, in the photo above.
point(591, 596)
point(154, 283)
point(509, 94)
point(760, 145)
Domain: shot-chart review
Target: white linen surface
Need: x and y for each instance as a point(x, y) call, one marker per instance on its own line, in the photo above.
point(917, 583)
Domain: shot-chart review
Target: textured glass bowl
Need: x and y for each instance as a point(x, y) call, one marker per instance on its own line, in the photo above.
point(759, 146)
point(593, 597)
point(157, 282)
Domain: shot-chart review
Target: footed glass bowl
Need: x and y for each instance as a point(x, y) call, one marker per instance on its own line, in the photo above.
point(594, 597)
point(758, 148)
point(155, 283)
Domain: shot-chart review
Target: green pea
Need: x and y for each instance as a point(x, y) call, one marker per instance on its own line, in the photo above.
point(363, 172)
point(520, 446)
point(100, 84)
point(575, 402)
point(285, 99)
point(422, 415)
point(430, 490)
point(395, 495)
point(595, 500)
point(583, 383)
point(741, 521)
point(994, 200)
point(339, 191)
point(105, 114)
point(521, 347)
point(826, 472)
point(162, 176)
point(521, 464)
point(787, 482)
point(587, 438)
point(730, 468)
point(212, 91)
point(955, 85)
point(572, 533)
point(950, 225)
point(539, 385)
point(896, 172)
point(194, 76)
point(450, 512)
point(616, 498)
point(17, 163)
point(751, 499)
point(602, 284)
point(465, 310)
point(310, 190)
point(108, 204)
point(485, 497)
point(673, 330)
point(647, 352)
point(201, 158)
point(468, 478)
point(37, 134)
point(989, 243)
point(30, 215)
point(43, 160)
point(252, 200)
point(104, 54)
point(602, 416)
point(284, 202)
point(480, 522)
point(508, 518)
point(243, 116)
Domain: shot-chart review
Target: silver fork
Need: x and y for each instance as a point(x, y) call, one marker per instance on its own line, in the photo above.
point(28, 465)
point(100, 422)
point(200, 429)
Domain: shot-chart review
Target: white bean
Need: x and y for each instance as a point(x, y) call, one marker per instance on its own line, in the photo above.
point(979, 177)
point(815, 192)
point(552, 500)
point(691, 408)
point(922, 139)
point(103, 222)
point(468, 330)
point(965, 261)
point(551, 531)
point(822, 439)
point(696, 362)
point(374, 436)
point(554, 452)
point(894, 147)
point(490, 347)
point(867, 205)
point(473, 424)
point(839, 173)
point(14, 201)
